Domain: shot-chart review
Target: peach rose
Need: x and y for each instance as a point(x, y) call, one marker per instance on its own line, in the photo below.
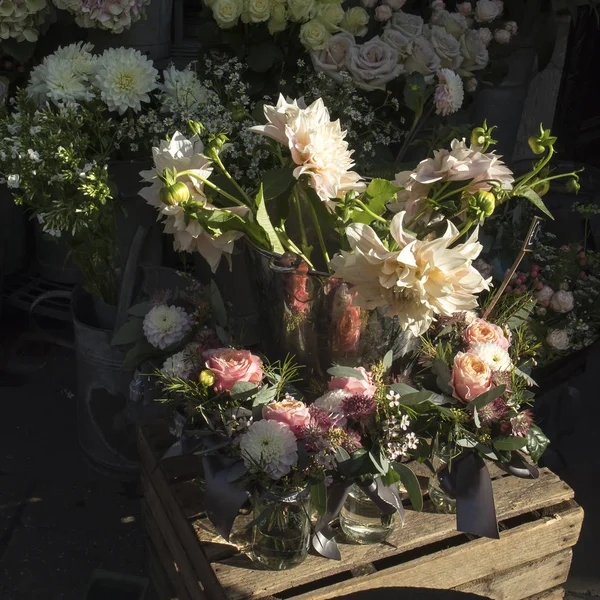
point(293, 413)
point(471, 377)
point(230, 366)
point(362, 387)
point(483, 332)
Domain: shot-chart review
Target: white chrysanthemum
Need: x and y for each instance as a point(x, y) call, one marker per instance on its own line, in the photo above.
point(125, 79)
point(449, 93)
point(317, 146)
point(331, 402)
point(165, 325)
point(495, 357)
point(184, 88)
point(177, 366)
point(420, 280)
point(269, 446)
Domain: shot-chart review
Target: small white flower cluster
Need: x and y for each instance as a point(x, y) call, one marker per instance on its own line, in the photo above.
point(397, 441)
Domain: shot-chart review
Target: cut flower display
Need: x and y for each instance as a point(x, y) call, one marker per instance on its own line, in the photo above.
point(113, 15)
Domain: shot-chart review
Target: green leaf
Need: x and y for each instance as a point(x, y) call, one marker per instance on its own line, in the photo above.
point(277, 181)
point(141, 351)
point(415, 398)
point(218, 306)
point(379, 461)
point(129, 333)
point(265, 395)
point(530, 380)
point(263, 219)
point(140, 310)
point(243, 390)
point(379, 193)
point(338, 371)
point(487, 397)
point(402, 389)
point(443, 375)
point(537, 443)
point(388, 359)
point(411, 483)
point(535, 199)
point(509, 442)
point(341, 455)
point(391, 477)
point(318, 493)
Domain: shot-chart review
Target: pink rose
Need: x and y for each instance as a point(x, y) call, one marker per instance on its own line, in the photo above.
point(359, 387)
point(471, 377)
point(293, 413)
point(562, 302)
point(230, 366)
point(502, 36)
point(482, 332)
point(383, 13)
point(544, 295)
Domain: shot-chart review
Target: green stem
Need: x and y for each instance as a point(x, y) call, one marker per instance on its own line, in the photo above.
point(462, 232)
point(527, 177)
point(315, 218)
point(238, 187)
point(287, 242)
point(418, 216)
point(303, 236)
point(217, 189)
point(412, 132)
point(369, 211)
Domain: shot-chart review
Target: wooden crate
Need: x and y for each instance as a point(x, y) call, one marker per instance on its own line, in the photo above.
point(539, 523)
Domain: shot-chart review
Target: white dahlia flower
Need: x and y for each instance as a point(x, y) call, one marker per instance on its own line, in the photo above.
point(177, 366)
point(420, 280)
point(183, 88)
point(269, 446)
point(317, 146)
point(166, 325)
point(331, 402)
point(449, 92)
point(125, 79)
point(495, 357)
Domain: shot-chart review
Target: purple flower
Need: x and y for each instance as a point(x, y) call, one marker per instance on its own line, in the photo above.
point(359, 407)
point(522, 423)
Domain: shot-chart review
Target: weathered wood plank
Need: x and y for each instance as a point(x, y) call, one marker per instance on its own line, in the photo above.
point(525, 580)
point(525, 543)
point(154, 567)
point(513, 497)
point(555, 594)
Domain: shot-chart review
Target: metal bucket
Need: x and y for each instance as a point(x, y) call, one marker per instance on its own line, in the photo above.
point(310, 314)
point(52, 256)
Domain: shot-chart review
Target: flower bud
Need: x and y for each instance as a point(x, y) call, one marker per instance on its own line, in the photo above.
point(478, 136)
point(541, 189)
point(573, 186)
point(481, 205)
point(207, 378)
point(216, 141)
point(196, 127)
point(174, 194)
point(539, 143)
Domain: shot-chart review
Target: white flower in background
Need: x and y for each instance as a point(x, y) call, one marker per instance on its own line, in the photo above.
point(356, 21)
point(446, 46)
point(485, 35)
point(114, 15)
point(125, 79)
point(418, 281)
point(464, 8)
point(394, 4)
point(41, 219)
point(412, 198)
point(454, 23)
point(502, 36)
point(449, 93)
point(13, 181)
point(487, 10)
point(544, 295)
point(558, 339)
point(422, 58)
point(333, 57)
point(471, 85)
point(317, 146)
point(562, 302)
point(511, 27)
point(470, 316)
point(331, 402)
point(314, 34)
point(185, 154)
point(483, 267)
point(269, 446)
point(227, 12)
point(184, 88)
point(383, 13)
point(301, 10)
point(166, 325)
point(21, 19)
point(373, 64)
point(176, 366)
point(495, 357)
point(411, 26)
point(331, 14)
point(256, 11)
point(474, 51)
point(398, 41)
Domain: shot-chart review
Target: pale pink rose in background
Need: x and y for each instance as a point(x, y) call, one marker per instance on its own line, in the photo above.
point(474, 51)
point(544, 295)
point(471, 85)
point(353, 385)
point(373, 64)
point(454, 23)
point(484, 332)
point(487, 10)
point(562, 302)
point(230, 366)
point(383, 13)
point(511, 27)
point(422, 57)
point(398, 41)
point(449, 93)
point(485, 35)
point(395, 4)
point(471, 377)
point(558, 339)
point(446, 46)
point(369, 3)
point(464, 8)
point(293, 413)
point(332, 58)
point(502, 36)
point(438, 5)
point(409, 25)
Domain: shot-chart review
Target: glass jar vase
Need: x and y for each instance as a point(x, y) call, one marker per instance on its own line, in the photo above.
point(362, 521)
point(281, 533)
point(441, 457)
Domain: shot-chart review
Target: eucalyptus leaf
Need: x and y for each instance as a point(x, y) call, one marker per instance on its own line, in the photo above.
point(140, 310)
point(338, 371)
point(378, 460)
point(141, 351)
point(388, 359)
point(509, 442)
point(415, 398)
point(476, 418)
point(443, 375)
point(341, 455)
point(265, 395)
point(487, 397)
point(536, 200)
point(537, 443)
point(129, 333)
point(243, 390)
point(391, 477)
point(411, 483)
point(263, 219)
point(402, 388)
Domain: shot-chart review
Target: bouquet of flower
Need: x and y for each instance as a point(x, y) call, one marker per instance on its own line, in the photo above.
point(21, 19)
point(114, 15)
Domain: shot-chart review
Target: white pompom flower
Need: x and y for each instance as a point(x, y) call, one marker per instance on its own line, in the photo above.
point(449, 93)
point(166, 325)
point(495, 357)
point(269, 446)
point(177, 366)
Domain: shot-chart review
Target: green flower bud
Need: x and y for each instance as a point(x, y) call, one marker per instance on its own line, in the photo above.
point(535, 145)
point(174, 194)
point(196, 127)
point(478, 136)
point(481, 205)
point(207, 378)
point(573, 186)
point(541, 142)
point(541, 189)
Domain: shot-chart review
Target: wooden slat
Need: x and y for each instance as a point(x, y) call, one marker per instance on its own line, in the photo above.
point(525, 543)
point(154, 567)
point(513, 497)
point(525, 580)
point(555, 594)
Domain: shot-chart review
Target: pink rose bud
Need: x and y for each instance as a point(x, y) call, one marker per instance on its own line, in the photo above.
point(354, 385)
point(583, 275)
point(230, 366)
point(502, 36)
point(512, 27)
point(383, 13)
point(564, 247)
point(471, 377)
point(293, 413)
point(539, 285)
point(464, 8)
point(485, 35)
point(471, 85)
point(545, 303)
point(395, 4)
point(438, 5)
point(581, 254)
point(518, 291)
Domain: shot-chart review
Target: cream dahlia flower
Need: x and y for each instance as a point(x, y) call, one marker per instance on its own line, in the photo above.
point(165, 325)
point(177, 366)
point(449, 93)
point(125, 79)
point(183, 88)
point(185, 154)
point(417, 282)
point(317, 146)
point(269, 446)
point(495, 357)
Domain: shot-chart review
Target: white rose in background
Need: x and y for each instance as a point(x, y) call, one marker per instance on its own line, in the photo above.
point(446, 46)
point(332, 58)
point(487, 10)
point(331, 14)
point(422, 58)
point(301, 10)
point(398, 41)
point(369, 3)
point(227, 12)
point(558, 339)
point(464, 8)
point(395, 4)
point(314, 34)
point(356, 21)
point(383, 13)
point(562, 301)
point(449, 93)
point(373, 64)
point(411, 26)
point(474, 51)
point(256, 11)
point(502, 36)
point(544, 295)
point(453, 23)
point(438, 5)
point(485, 35)
point(278, 21)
